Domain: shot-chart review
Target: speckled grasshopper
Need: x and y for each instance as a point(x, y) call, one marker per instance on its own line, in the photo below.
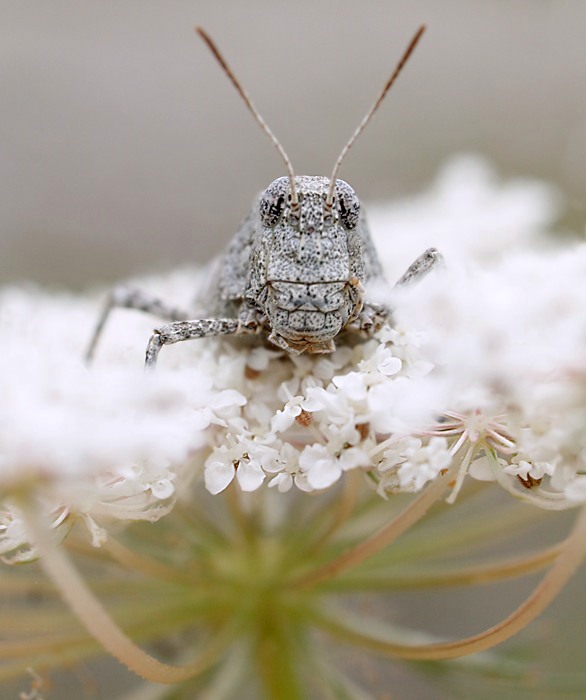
point(298, 271)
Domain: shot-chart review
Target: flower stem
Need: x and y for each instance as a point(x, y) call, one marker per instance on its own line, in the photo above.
point(465, 576)
point(381, 539)
point(572, 553)
point(97, 620)
point(130, 559)
point(279, 667)
point(344, 507)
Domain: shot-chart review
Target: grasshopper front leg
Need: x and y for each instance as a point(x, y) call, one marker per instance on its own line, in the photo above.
point(373, 316)
point(420, 267)
point(188, 330)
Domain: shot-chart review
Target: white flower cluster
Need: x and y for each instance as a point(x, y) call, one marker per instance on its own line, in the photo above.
point(307, 420)
point(508, 345)
point(483, 368)
point(105, 442)
point(469, 213)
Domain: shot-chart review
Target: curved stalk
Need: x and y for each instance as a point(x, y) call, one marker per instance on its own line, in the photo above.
point(465, 576)
point(572, 554)
point(97, 620)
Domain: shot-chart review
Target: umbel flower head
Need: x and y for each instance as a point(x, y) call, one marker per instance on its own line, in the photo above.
point(224, 503)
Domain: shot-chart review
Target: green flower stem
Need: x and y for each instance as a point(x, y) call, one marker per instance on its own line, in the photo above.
point(245, 521)
point(482, 527)
point(98, 622)
point(51, 617)
point(344, 507)
point(573, 550)
point(131, 559)
point(465, 576)
point(381, 539)
point(279, 663)
point(229, 678)
point(46, 652)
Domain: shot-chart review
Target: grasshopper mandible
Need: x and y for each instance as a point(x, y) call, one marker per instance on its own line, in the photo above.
point(299, 269)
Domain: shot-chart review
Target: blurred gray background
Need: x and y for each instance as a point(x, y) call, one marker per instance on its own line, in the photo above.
point(123, 148)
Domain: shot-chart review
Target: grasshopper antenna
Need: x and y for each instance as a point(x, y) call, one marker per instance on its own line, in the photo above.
point(253, 110)
point(409, 50)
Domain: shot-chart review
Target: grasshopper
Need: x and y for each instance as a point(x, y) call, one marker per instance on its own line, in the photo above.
point(298, 271)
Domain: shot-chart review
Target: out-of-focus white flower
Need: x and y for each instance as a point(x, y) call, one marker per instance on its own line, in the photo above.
point(468, 214)
point(507, 343)
point(383, 361)
point(103, 443)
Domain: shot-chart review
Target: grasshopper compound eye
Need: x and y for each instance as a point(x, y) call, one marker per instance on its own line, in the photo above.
point(272, 203)
point(348, 204)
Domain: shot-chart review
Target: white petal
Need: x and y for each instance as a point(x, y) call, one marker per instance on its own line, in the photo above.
point(218, 475)
point(162, 489)
point(250, 476)
point(324, 473)
point(282, 481)
point(480, 470)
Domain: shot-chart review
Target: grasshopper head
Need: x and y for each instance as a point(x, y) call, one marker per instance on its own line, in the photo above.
point(311, 291)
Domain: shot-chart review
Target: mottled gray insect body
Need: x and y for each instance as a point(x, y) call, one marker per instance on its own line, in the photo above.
point(298, 271)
